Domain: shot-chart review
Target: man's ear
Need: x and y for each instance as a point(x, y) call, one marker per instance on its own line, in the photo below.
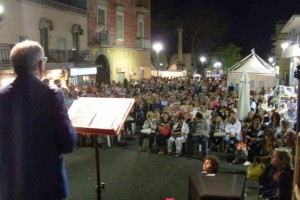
point(40, 68)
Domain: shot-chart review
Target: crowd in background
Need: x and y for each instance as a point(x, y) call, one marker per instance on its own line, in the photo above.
point(182, 116)
point(178, 100)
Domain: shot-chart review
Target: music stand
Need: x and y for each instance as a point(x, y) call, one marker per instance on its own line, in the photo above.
point(99, 116)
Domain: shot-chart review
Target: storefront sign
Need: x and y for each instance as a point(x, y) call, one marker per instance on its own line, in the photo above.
point(83, 71)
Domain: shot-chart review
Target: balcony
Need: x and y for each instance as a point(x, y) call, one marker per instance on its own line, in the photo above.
point(105, 38)
point(62, 56)
point(143, 43)
point(140, 5)
point(5, 53)
point(54, 55)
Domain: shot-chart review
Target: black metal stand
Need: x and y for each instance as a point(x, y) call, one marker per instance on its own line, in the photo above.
point(100, 185)
point(297, 75)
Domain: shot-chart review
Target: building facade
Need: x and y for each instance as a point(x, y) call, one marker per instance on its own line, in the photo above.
point(119, 38)
point(85, 41)
point(61, 29)
point(287, 51)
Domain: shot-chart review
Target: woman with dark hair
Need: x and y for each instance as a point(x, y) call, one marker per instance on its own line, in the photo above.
point(275, 122)
point(254, 138)
point(277, 179)
point(211, 164)
point(267, 147)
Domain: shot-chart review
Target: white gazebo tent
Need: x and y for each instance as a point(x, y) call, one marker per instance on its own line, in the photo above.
point(261, 73)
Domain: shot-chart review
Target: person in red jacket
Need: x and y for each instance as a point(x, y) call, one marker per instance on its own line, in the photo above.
point(164, 131)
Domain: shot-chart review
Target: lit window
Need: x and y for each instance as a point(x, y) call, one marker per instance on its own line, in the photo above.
point(120, 26)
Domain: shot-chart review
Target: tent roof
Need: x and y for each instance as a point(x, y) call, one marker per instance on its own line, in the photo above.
point(253, 64)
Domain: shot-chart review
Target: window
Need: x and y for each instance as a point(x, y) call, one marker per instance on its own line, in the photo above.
point(101, 23)
point(61, 43)
point(76, 41)
point(76, 31)
point(44, 40)
point(22, 38)
point(120, 26)
point(298, 38)
point(252, 84)
point(139, 3)
point(45, 26)
point(140, 28)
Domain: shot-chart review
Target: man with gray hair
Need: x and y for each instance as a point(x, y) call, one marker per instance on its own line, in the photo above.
point(35, 130)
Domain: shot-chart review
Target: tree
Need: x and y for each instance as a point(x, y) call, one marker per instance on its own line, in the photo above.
point(204, 26)
point(228, 55)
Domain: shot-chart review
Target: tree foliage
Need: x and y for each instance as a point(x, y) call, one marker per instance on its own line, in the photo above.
point(203, 27)
point(228, 55)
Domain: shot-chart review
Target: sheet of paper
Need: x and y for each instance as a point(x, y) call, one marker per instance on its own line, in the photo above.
point(102, 113)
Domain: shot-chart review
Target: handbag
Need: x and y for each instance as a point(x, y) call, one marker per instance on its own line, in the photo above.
point(146, 131)
point(269, 195)
point(255, 170)
point(176, 134)
point(219, 134)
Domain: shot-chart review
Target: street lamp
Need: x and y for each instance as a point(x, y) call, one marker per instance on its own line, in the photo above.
point(202, 59)
point(217, 64)
point(1, 11)
point(271, 59)
point(157, 48)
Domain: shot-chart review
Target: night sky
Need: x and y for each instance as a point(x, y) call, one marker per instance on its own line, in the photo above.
point(250, 22)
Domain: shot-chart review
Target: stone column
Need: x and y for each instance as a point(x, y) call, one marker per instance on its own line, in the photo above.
point(179, 29)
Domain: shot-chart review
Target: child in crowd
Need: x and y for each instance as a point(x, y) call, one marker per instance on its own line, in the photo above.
point(241, 147)
point(211, 164)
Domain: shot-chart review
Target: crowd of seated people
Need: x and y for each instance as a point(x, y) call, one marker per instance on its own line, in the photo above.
point(180, 116)
point(191, 104)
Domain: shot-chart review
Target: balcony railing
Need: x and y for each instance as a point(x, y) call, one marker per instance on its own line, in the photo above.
point(105, 38)
point(5, 53)
point(141, 4)
point(61, 56)
point(54, 55)
point(143, 43)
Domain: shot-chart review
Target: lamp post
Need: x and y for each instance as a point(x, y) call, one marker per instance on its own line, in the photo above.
point(202, 59)
point(157, 48)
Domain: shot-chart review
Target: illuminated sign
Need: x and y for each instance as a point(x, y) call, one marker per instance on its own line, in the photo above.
point(83, 71)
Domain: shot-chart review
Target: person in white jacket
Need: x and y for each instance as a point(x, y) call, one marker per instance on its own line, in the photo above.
point(179, 135)
point(233, 131)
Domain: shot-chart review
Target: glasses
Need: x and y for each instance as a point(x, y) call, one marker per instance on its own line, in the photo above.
point(45, 60)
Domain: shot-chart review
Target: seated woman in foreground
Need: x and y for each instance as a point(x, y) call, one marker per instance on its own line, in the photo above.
point(277, 179)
